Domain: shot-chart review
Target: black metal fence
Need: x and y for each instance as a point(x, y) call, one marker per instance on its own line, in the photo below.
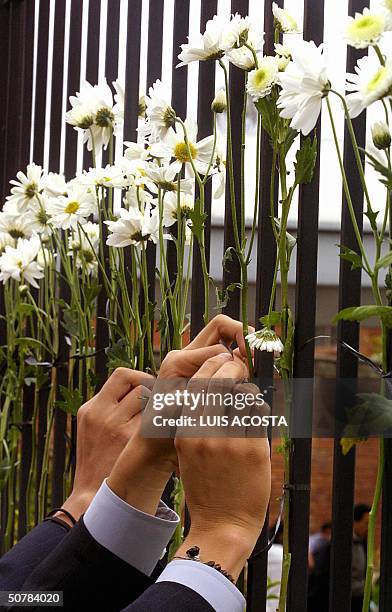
point(20, 34)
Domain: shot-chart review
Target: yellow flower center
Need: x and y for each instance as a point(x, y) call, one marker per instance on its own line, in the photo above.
point(377, 80)
point(366, 27)
point(31, 189)
point(260, 77)
point(72, 208)
point(181, 152)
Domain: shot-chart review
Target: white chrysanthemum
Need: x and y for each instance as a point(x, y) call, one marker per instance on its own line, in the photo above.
point(134, 150)
point(170, 207)
point(19, 262)
point(16, 225)
point(304, 84)
point(95, 113)
point(55, 185)
point(371, 82)
point(262, 79)
point(133, 227)
point(110, 176)
point(284, 21)
point(243, 57)
point(6, 240)
point(366, 28)
point(26, 189)
point(160, 114)
point(235, 32)
point(164, 177)
point(39, 219)
point(205, 46)
point(265, 340)
point(83, 246)
point(44, 257)
point(68, 211)
point(175, 145)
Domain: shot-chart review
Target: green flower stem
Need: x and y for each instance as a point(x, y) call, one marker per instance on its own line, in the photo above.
point(252, 50)
point(367, 267)
point(379, 55)
point(243, 138)
point(143, 272)
point(93, 152)
point(286, 562)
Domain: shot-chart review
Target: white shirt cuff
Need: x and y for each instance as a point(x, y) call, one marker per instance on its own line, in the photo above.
point(130, 534)
point(217, 590)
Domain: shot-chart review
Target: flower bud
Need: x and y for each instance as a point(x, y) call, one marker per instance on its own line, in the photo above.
point(219, 102)
point(23, 290)
point(381, 135)
point(142, 107)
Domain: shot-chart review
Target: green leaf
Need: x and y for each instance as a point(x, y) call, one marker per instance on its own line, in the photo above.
point(305, 161)
point(223, 295)
point(372, 216)
point(371, 416)
point(70, 321)
point(92, 292)
point(379, 167)
point(274, 318)
point(349, 255)
point(228, 257)
point(269, 114)
point(384, 261)
point(198, 220)
point(25, 309)
point(360, 313)
point(118, 355)
point(286, 358)
point(71, 402)
point(290, 136)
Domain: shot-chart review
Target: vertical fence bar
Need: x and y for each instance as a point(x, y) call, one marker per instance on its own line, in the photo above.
point(92, 58)
point(5, 41)
point(231, 272)
point(206, 92)
point(41, 82)
point(266, 254)
point(305, 315)
point(73, 84)
point(386, 533)
point(132, 69)
point(154, 72)
point(346, 367)
point(56, 112)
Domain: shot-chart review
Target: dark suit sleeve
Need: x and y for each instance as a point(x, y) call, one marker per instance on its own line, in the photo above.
point(18, 563)
point(90, 576)
point(169, 597)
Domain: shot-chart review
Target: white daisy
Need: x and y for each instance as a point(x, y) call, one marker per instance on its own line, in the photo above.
point(219, 103)
point(170, 207)
point(284, 21)
point(160, 114)
point(371, 82)
point(200, 152)
point(164, 177)
point(304, 84)
point(55, 185)
point(381, 135)
point(133, 227)
point(235, 32)
point(16, 225)
point(83, 246)
point(44, 257)
point(243, 57)
point(262, 79)
point(6, 240)
point(110, 176)
point(27, 188)
point(205, 46)
point(265, 340)
point(68, 211)
point(19, 262)
point(284, 54)
point(366, 28)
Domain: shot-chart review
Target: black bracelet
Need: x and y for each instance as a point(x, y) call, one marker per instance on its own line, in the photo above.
point(71, 518)
point(192, 554)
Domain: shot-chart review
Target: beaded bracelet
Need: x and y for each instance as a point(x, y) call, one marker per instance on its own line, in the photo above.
point(192, 554)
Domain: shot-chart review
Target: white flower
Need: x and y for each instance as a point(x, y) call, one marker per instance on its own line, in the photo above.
point(83, 246)
point(19, 262)
point(28, 186)
point(218, 104)
point(200, 152)
point(170, 207)
point(304, 84)
point(6, 240)
point(366, 29)
point(160, 114)
point(134, 150)
point(371, 82)
point(16, 225)
point(133, 227)
point(381, 135)
point(68, 211)
point(284, 21)
point(243, 57)
point(164, 177)
point(39, 219)
point(55, 184)
point(44, 257)
point(110, 176)
point(262, 79)
point(95, 113)
point(235, 32)
point(265, 340)
point(205, 46)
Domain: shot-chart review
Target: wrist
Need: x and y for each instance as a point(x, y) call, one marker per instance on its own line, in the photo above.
point(76, 504)
point(228, 546)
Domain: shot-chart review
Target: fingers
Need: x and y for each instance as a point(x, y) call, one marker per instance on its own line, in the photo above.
point(212, 365)
point(186, 363)
point(224, 328)
point(134, 402)
point(122, 381)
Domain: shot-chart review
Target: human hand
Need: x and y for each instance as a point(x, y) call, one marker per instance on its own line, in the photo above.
point(227, 485)
point(105, 424)
point(223, 328)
